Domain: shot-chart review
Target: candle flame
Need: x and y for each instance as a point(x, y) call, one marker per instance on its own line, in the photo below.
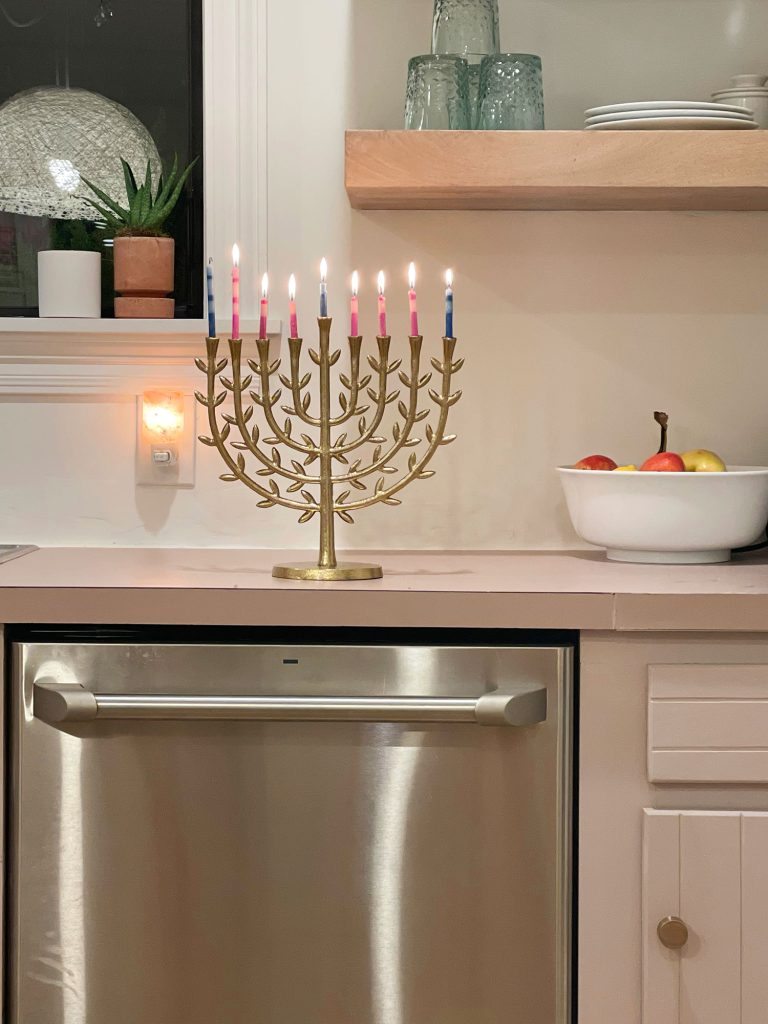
point(412, 276)
point(265, 286)
point(382, 282)
point(355, 282)
point(323, 269)
point(292, 287)
point(449, 279)
point(236, 255)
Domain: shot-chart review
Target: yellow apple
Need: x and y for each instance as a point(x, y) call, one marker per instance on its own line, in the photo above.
point(626, 469)
point(699, 460)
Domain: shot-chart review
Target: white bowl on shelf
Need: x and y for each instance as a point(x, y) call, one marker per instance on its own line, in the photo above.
point(672, 518)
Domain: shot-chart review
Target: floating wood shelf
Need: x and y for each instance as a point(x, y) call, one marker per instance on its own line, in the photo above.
point(677, 170)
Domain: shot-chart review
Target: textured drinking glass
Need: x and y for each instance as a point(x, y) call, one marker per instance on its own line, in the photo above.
point(511, 93)
point(474, 60)
point(465, 26)
point(438, 93)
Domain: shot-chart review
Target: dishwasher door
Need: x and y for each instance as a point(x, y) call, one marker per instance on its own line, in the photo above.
point(223, 834)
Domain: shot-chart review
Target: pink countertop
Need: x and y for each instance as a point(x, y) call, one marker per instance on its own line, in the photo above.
point(540, 590)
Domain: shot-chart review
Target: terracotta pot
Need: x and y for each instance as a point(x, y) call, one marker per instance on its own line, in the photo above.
point(144, 277)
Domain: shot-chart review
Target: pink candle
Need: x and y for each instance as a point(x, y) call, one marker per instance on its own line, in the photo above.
point(264, 308)
point(382, 307)
point(412, 300)
point(292, 307)
point(235, 291)
point(354, 306)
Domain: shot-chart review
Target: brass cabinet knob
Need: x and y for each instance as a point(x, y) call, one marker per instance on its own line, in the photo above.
point(672, 932)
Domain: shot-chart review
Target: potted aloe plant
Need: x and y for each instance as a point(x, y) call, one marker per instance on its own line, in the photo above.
point(144, 253)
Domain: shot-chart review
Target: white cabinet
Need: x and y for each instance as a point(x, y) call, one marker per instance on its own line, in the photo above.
point(707, 868)
point(673, 821)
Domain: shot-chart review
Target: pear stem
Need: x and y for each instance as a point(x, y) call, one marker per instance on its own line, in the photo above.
point(663, 420)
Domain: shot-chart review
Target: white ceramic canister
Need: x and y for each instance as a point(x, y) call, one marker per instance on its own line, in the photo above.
point(747, 91)
point(69, 283)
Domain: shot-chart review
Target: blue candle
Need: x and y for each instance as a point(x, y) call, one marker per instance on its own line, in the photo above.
point(323, 288)
point(449, 303)
point(211, 303)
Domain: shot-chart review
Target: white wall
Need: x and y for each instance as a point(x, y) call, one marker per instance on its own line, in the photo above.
point(575, 326)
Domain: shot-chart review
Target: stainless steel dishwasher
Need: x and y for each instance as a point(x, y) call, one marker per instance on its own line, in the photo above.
point(236, 834)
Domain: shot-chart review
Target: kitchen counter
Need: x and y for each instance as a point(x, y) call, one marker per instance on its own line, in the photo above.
point(484, 589)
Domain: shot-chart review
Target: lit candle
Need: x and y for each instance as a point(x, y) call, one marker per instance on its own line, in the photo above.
point(323, 287)
point(412, 300)
point(382, 307)
point(235, 291)
point(354, 329)
point(292, 306)
point(264, 309)
point(211, 302)
point(449, 303)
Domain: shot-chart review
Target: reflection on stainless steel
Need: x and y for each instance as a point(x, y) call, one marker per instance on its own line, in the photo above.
point(190, 870)
point(388, 841)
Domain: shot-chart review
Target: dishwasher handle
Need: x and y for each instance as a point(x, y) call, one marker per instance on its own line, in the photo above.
point(523, 704)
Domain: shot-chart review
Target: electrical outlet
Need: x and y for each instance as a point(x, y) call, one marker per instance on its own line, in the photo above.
point(166, 463)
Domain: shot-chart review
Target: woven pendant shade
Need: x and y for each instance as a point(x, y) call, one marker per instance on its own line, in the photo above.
point(50, 137)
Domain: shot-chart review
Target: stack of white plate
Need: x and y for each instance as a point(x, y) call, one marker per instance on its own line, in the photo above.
point(668, 115)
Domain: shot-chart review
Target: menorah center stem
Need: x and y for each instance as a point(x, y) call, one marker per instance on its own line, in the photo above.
point(327, 538)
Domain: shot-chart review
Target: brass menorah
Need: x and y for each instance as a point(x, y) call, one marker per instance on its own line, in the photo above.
point(328, 445)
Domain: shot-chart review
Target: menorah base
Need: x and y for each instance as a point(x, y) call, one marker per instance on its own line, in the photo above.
point(344, 571)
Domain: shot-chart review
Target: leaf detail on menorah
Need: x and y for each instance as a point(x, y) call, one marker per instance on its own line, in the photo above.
point(343, 402)
point(273, 367)
point(308, 497)
point(310, 458)
point(402, 408)
point(376, 453)
point(228, 477)
point(391, 501)
point(334, 357)
point(455, 367)
point(314, 356)
point(389, 469)
point(241, 462)
point(267, 503)
point(274, 488)
point(224, 432)
point(412, 460)
point(297, 467)
point(229, 418)
point(342, 497)
point(201, 398)
point(421, 415)
point(266, 471)
point(405, 380)
point(221, 365)
point(294, 487)
point(276, 458)
point(239, 445)
point(448, 438)
point(437, 365)
point(255, 433)
point(340, 441)
point(308, 440)
point(411, 442)
point(394, 365)
point(396, 432)
point(227, 383)
point(201, 365)
point(358, 484)
point(374, 364)
point(344, 515)
point(206, 440)
point(275, 397)
point(342, 459)
point(377, 440)
point(247, 414)
point(287, 426)
point(305, 401)
point(391, 397)
point(306, 516)
point(425, 474)
point(271, 440)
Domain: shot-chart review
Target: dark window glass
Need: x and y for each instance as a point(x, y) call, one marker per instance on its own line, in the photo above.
point(145, 55)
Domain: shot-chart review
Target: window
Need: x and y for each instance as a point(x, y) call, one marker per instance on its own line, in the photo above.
point(145, 55)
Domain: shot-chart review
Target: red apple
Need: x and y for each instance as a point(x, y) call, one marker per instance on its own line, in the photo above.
point(663, 462)
point(595, 462)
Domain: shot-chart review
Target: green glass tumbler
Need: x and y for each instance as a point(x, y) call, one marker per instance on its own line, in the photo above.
point(437, 98)
point(465, 26)
point(511, 93)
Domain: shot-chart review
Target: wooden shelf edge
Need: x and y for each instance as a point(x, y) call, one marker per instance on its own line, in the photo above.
point(706, 170)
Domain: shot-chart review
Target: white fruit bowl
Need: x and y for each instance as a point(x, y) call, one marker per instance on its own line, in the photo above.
point(674, 518)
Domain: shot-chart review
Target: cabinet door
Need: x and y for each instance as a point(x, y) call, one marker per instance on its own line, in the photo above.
point(709, 869)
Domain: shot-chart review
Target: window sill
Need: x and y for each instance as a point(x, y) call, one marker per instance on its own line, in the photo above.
point(104, 357)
